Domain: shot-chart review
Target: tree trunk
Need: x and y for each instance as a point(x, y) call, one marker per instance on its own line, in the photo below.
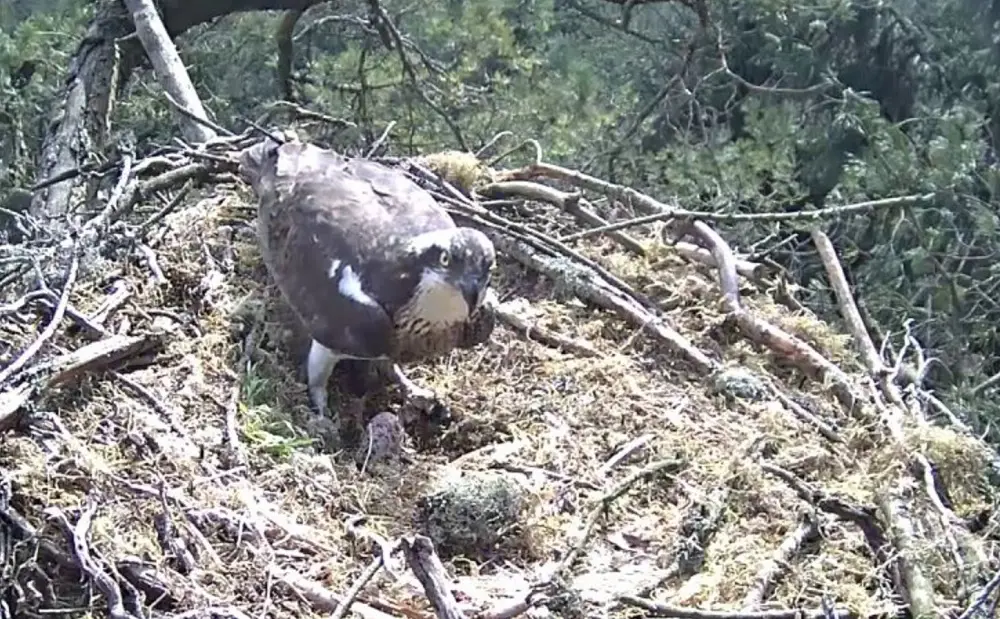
point(80, 120)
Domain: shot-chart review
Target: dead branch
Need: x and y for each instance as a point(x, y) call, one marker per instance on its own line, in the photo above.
point(572, 203)
point(915, 589)
point(864, 517)
point(754, 271)
point(765, 334)
point(773, 568)
point(848, 307)
point(982, 598)
point(532, 332)
point(423, 560)
point(320, 597)
point(665, 610)
point(50, 329)
point(169, 68)
point(286, 48)
point(344, 605)
point(591, 288)
point(68, 367)
point(658, 211)
point(77, 537)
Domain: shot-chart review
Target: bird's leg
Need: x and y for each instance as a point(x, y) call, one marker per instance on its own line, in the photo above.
point(411, 390)
point(319, 367)
point(422, 398)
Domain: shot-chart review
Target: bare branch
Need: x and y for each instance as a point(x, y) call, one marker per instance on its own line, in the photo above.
point(169, 68)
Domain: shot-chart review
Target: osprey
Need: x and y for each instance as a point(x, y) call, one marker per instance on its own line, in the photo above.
point(373, 267)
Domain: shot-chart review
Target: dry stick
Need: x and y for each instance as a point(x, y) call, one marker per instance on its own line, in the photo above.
point(593, 289)
point(665, 610)
point(862, 517)
point(50, 329)
point(155, 403)
point(754, 271)
point(568, 202)
point(982, 598)
point(706, 517)
point(821, 426)
point(525, 233)
point(758, 330)
point(166, 210)
point(848, 308)
point(545, 336)
point(65, 368)
point(420, 556)
point(599, 510)
point(168, 67)
point(604, 503)
point(318, 596)
point(77, 536)
point(893, 505)
point(772, 569)
point(345, 603)
point(672, 212)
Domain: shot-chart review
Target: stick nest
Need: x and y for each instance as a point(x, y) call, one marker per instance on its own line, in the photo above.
point(202, 446)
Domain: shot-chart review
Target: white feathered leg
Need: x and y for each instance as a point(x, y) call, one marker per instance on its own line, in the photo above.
point(319, 367)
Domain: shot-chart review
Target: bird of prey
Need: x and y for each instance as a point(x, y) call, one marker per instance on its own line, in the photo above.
point(373, 267)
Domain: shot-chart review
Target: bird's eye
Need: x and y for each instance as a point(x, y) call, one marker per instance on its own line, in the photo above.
point(444, 258)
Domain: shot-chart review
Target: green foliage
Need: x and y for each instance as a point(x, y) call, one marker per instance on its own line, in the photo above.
point(39, 43)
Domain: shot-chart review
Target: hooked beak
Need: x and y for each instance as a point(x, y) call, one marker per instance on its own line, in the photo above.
point(473, 289)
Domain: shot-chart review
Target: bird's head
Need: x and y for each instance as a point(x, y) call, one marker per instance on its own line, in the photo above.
point(455, 263)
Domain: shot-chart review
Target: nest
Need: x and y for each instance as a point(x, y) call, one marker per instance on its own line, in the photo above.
point(156, 448)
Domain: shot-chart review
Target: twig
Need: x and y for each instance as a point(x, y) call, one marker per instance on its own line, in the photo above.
point(420, 556)
point(572, 203)
point(355, 526)
point(345, 602)
point(589, 287)
point(381, 139)
point(982, 598)
point(627, 450)
point(166, 210)
point(545, 336)
point(604, 503)
point(320, 597)
point(50, 329)
point(154, 402)
point(154, 265)
point(848, 307)
point(65, 368)
point(771, 570)
point(665, 610)
point(203, 121)
point(664, 211)
point(77, 536)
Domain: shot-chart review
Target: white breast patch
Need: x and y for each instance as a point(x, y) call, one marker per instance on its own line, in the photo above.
point(438, 302)
point(349, 284)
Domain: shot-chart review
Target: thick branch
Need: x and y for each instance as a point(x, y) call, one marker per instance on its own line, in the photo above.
point(286, 52)
point(94, 71)
point(169, 68)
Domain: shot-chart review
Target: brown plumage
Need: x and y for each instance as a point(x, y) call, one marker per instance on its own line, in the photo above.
point(371, 264)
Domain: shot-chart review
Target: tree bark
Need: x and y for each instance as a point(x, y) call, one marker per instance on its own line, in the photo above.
point(169, 68)
point(80, 119)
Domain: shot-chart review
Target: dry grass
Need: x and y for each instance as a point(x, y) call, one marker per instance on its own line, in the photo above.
point(540, 407)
